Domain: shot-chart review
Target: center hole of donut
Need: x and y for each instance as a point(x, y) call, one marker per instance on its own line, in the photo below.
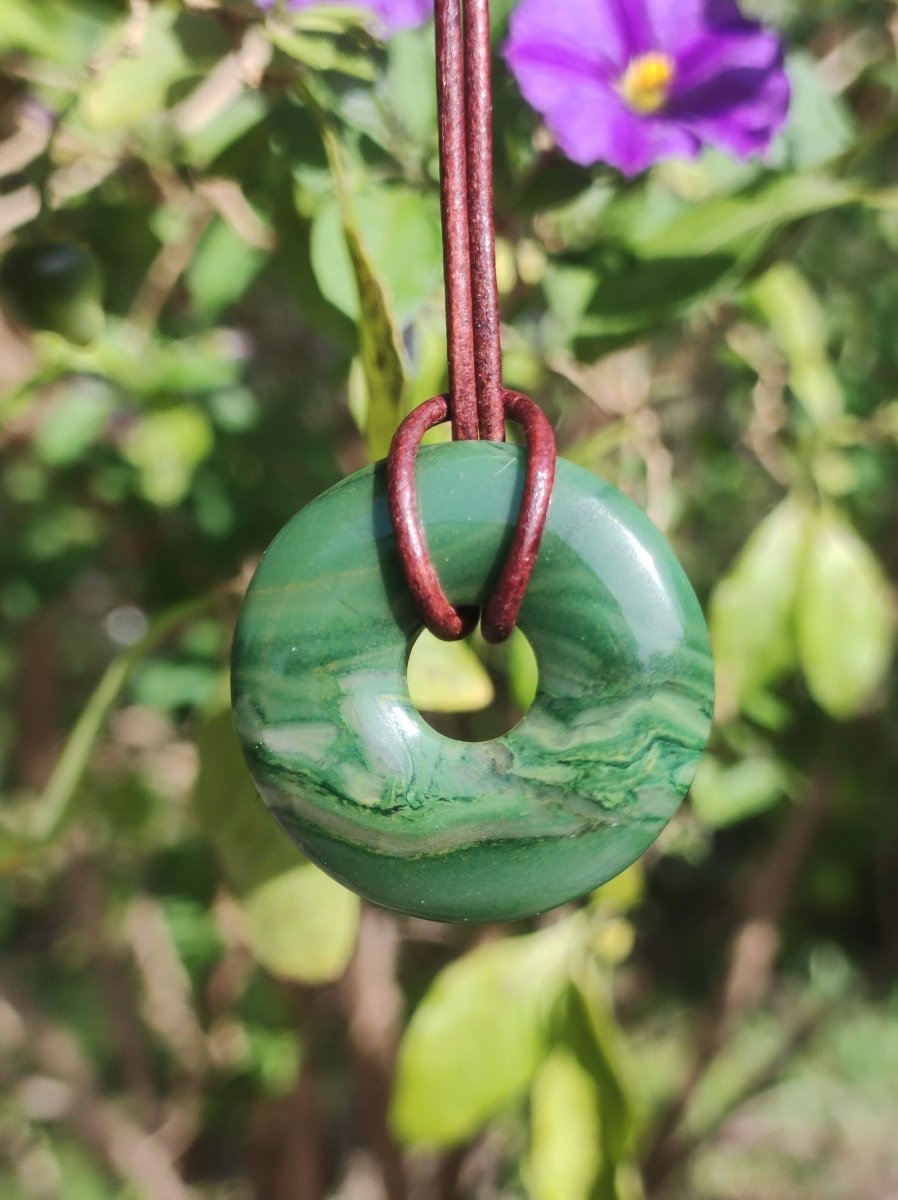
point(469, 690)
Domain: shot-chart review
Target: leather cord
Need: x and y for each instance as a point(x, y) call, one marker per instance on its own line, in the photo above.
point(477, 403)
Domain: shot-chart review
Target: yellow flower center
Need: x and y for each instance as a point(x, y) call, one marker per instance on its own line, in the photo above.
point(647, 81)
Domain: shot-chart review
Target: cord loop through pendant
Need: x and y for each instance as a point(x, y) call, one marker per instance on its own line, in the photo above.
point(477, 402)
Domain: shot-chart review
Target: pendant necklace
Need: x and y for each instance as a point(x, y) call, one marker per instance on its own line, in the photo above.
point(473, 529)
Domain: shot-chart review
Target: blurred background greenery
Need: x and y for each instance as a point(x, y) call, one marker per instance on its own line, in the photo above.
point(187, 1010)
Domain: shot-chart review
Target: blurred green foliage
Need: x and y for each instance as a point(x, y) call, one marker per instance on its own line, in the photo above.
point(221, 275)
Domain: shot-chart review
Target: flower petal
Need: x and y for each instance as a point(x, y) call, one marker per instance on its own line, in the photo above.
point(750, 126)
point(711, 54)
point(677, 24)
point(591, 124)
point(729, 88)
point(403, 14)
point(732, 91)
point(583, 37)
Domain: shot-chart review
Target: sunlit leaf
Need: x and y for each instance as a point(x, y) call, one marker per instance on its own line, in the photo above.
point(746, 220)
point(56, 30)
point(447, 677)
point(399, 229)
point(476, 1039)
point(753, 607)
point(623, 892)
point(796, 317)
point(380, 343)
point(411, 84)
point(167, 447)
point(722, 795)
point(666, 264)
point(612, 940)
point(249, 843)
point(322, 53)
point(299, 923)
point(203, 363)
point(565, 1130)
point(73, 422)
point(587, 1028)
point(820, 125)
point(135, 84)
point(168, 685)
point(846, 618)
point(221, 270)
point(302, 924)
point(523, 671)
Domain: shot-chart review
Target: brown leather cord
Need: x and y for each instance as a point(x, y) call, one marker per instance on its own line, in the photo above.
point(481, 232)
point(501, 612)
point(440, 615)
point(456, 238)
point(477, 403)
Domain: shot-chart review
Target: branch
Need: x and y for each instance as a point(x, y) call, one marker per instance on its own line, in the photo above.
point(86, 905)
point(372, 1002)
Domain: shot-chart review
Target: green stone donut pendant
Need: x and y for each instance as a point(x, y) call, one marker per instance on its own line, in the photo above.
point(459, 831)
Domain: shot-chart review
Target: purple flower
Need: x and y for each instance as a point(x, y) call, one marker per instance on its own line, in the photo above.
point(629, 82)
point(392, 15)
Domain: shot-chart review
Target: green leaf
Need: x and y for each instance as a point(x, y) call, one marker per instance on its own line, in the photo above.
point(447, 677)
point(796, 317)
point(59, 31)
point(380, 351)
point(660, 266)
point(746, 220)
point(587, 1026)
point(846, 618)
point(753, 607)
point(320, 52)
point(202, 146)
point(221, 270)
point(300, 923)
point(73, 422)
point(166, 448)
point(722, 795)
point(568, 289)
point(136, 85)
point(204, 363)
point(476, 1039)
point(820, 125)
point(565, 1130)
point(399, 229)
point(411, 85)
point(586, 1030)
point(523, 670)
point(642, 294)
point(248, 842)
point(622, 893)
point(380, 342)
point(169, 686)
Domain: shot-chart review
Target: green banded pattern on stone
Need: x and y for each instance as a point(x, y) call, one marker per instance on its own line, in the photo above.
point(472, 831)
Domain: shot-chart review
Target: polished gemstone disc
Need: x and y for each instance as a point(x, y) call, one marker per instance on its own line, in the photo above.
point(461, 831)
